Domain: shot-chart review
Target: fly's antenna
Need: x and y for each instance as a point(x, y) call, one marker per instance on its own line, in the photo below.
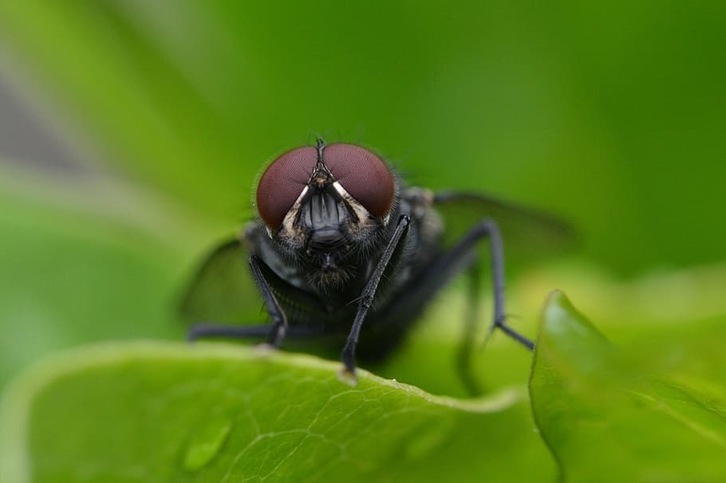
point(320, 165)
point(319, 146)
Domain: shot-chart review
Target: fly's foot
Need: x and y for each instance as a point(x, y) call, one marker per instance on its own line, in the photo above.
point(347, 375)
point(264, 349)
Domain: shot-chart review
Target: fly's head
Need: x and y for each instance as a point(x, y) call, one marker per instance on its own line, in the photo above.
point(327, 205)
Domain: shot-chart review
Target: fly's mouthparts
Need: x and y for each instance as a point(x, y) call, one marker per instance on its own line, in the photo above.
point(326, 238)
point(328, 263)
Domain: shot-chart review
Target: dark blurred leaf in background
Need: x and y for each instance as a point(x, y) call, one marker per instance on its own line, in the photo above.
point(610, 115)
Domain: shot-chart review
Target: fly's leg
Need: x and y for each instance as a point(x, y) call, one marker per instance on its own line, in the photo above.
point(275, 334)
point(220, 331)
point(366, 300)
point(213, 331)
point(489, 229)
point(486, 229)
point(279, 319)
point(466, 348)
point(460, 258)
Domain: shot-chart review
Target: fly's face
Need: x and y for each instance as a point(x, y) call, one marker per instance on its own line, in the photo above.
point(325, 205)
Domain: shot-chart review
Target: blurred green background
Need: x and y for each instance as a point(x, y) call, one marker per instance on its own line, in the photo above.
point(133, 131)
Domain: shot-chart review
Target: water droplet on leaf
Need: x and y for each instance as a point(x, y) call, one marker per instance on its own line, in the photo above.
point(205, 443)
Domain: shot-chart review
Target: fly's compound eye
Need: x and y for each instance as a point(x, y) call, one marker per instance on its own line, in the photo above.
point(363, 175)
point(282, 183)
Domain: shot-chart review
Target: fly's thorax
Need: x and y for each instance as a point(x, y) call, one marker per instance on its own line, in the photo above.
point(419, 204)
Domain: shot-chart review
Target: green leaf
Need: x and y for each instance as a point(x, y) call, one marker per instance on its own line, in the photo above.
point(537, 103)
point(605, 419)
point(170, 412)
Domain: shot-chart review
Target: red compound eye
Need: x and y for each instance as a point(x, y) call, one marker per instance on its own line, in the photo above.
point(282, 182)
point(363, 174)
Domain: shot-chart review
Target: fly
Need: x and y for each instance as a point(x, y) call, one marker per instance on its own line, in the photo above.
point(343, 254)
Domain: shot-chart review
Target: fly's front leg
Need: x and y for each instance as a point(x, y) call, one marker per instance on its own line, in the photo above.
point(366, 300)
point(274, 334)
point(440, 272)
point(279, 319)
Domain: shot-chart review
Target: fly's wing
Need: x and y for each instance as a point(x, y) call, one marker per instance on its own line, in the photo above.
point(527, 232)
point(222, 291)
